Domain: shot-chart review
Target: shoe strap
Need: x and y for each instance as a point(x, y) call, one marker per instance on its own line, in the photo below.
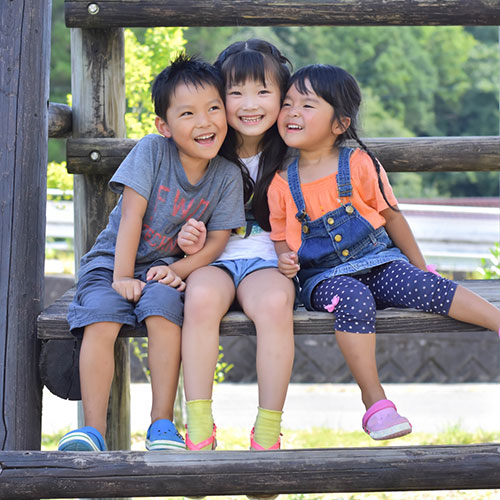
point(256, 446)
point(199, 446)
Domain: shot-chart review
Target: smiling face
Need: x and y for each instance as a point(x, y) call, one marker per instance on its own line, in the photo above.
point(306, 121)
point(196, 121)
point(252, 107)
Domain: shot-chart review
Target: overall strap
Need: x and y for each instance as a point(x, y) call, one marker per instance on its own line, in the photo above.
point(344, 186)
point(294, 185)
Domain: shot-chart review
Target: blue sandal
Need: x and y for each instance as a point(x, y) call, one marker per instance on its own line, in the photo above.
point(163, 436)
point(83, 439)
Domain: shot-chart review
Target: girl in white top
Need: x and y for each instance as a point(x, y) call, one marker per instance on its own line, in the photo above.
point(256, 76)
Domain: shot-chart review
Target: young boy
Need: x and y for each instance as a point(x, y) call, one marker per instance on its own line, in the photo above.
point(135, 271)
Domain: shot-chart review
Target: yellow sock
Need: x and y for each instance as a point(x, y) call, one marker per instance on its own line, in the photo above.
point(200, 421)
point(267, 427)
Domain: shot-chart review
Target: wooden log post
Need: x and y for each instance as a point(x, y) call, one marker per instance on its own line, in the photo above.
point(24, 91)
point(98, 87)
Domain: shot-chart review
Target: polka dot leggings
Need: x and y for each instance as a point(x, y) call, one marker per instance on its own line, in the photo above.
point(396, 284)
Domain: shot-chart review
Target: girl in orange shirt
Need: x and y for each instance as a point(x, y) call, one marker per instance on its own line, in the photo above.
point(336, 225)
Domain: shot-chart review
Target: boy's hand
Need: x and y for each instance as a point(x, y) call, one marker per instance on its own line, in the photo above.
point(192, 236)
point(165, 275)
point(288, 264)
point(129, 288)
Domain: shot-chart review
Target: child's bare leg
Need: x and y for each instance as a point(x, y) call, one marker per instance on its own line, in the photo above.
point(359, 353)
point(164, 352)
point(471, 308)
point(267, 297)
point(97, 366)
point(209, 294)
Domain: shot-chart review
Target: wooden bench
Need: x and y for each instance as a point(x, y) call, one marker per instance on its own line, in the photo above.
point(95, 150)
point(52, 324)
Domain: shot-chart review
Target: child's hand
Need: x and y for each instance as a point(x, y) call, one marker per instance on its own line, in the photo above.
point(288, 264)
point(192, 236)
point(129, 288)
point(165, 275)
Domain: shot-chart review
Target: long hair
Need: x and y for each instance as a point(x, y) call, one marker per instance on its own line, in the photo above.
point(255, 59)
point(341, 90)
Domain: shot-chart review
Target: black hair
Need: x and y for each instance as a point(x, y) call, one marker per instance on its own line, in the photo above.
point(188, 71)
point(255, 59)
point(341, 90)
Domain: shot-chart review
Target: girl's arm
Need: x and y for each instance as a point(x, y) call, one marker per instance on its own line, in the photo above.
point(400, 233)
point(127, 242)
point(214, 245)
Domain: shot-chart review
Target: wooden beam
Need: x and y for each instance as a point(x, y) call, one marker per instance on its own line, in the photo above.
point(60, 120)
point(131, 13)
point(24, 93)
point(31, 475)
point(52, 322)
point(417, 154)
point(98, 88)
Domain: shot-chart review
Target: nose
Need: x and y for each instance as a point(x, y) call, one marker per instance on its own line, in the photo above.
point(249, 103)
point(203, 120)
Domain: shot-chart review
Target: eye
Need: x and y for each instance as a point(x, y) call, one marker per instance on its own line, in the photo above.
point(264, 92)
point(233, 92)
point(215, 107)
point(286, 104)
point(186, 113)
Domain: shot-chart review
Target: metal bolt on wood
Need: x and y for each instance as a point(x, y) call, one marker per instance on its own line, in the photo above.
point(95, 156)
point(93, 9)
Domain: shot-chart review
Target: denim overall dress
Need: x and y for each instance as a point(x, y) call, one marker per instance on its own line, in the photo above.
point(341, 241)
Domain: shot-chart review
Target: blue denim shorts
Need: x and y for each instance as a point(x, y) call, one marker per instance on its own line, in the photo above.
point(238, 269)
point(96, 301)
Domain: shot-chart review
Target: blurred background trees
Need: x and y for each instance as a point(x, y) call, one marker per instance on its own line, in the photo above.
point(416, 81)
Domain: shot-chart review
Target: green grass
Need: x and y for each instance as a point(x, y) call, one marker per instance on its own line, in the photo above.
point(237, 439)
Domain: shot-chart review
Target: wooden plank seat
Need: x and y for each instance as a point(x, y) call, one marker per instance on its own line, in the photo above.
point(35, 474)
point(52, 324)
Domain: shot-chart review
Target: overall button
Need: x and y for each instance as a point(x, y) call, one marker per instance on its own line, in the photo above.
point(349, 209)
point(330, 220)
point(345, 252)
point(337, 238)
point(305, 229)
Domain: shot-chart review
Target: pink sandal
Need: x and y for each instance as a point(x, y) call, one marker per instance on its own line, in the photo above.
point(199, 446)
point(256, 446)
point(382, 421)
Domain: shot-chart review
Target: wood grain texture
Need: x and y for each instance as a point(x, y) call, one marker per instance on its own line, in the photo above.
point(52, 322)
point(60, 120)
point(31, 475)
point(24, 92)
point(130, 13)
point(417, 154)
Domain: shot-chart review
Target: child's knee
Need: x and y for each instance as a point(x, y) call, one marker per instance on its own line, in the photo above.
point(356, 312)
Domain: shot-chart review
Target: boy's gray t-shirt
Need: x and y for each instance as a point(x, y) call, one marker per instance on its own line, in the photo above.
point(153, 169)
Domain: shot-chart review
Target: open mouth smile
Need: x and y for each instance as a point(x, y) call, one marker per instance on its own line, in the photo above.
point(206, 139)
point(251, 119)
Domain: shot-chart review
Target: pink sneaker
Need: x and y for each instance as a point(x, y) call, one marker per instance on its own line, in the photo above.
point(382, 421)
point(199, 446)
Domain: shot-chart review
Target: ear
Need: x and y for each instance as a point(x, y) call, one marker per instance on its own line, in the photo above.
point(162, 127)
point(340, 126)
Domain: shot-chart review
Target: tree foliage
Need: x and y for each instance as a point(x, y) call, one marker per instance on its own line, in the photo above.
point(144, 59)
point(416, 80)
